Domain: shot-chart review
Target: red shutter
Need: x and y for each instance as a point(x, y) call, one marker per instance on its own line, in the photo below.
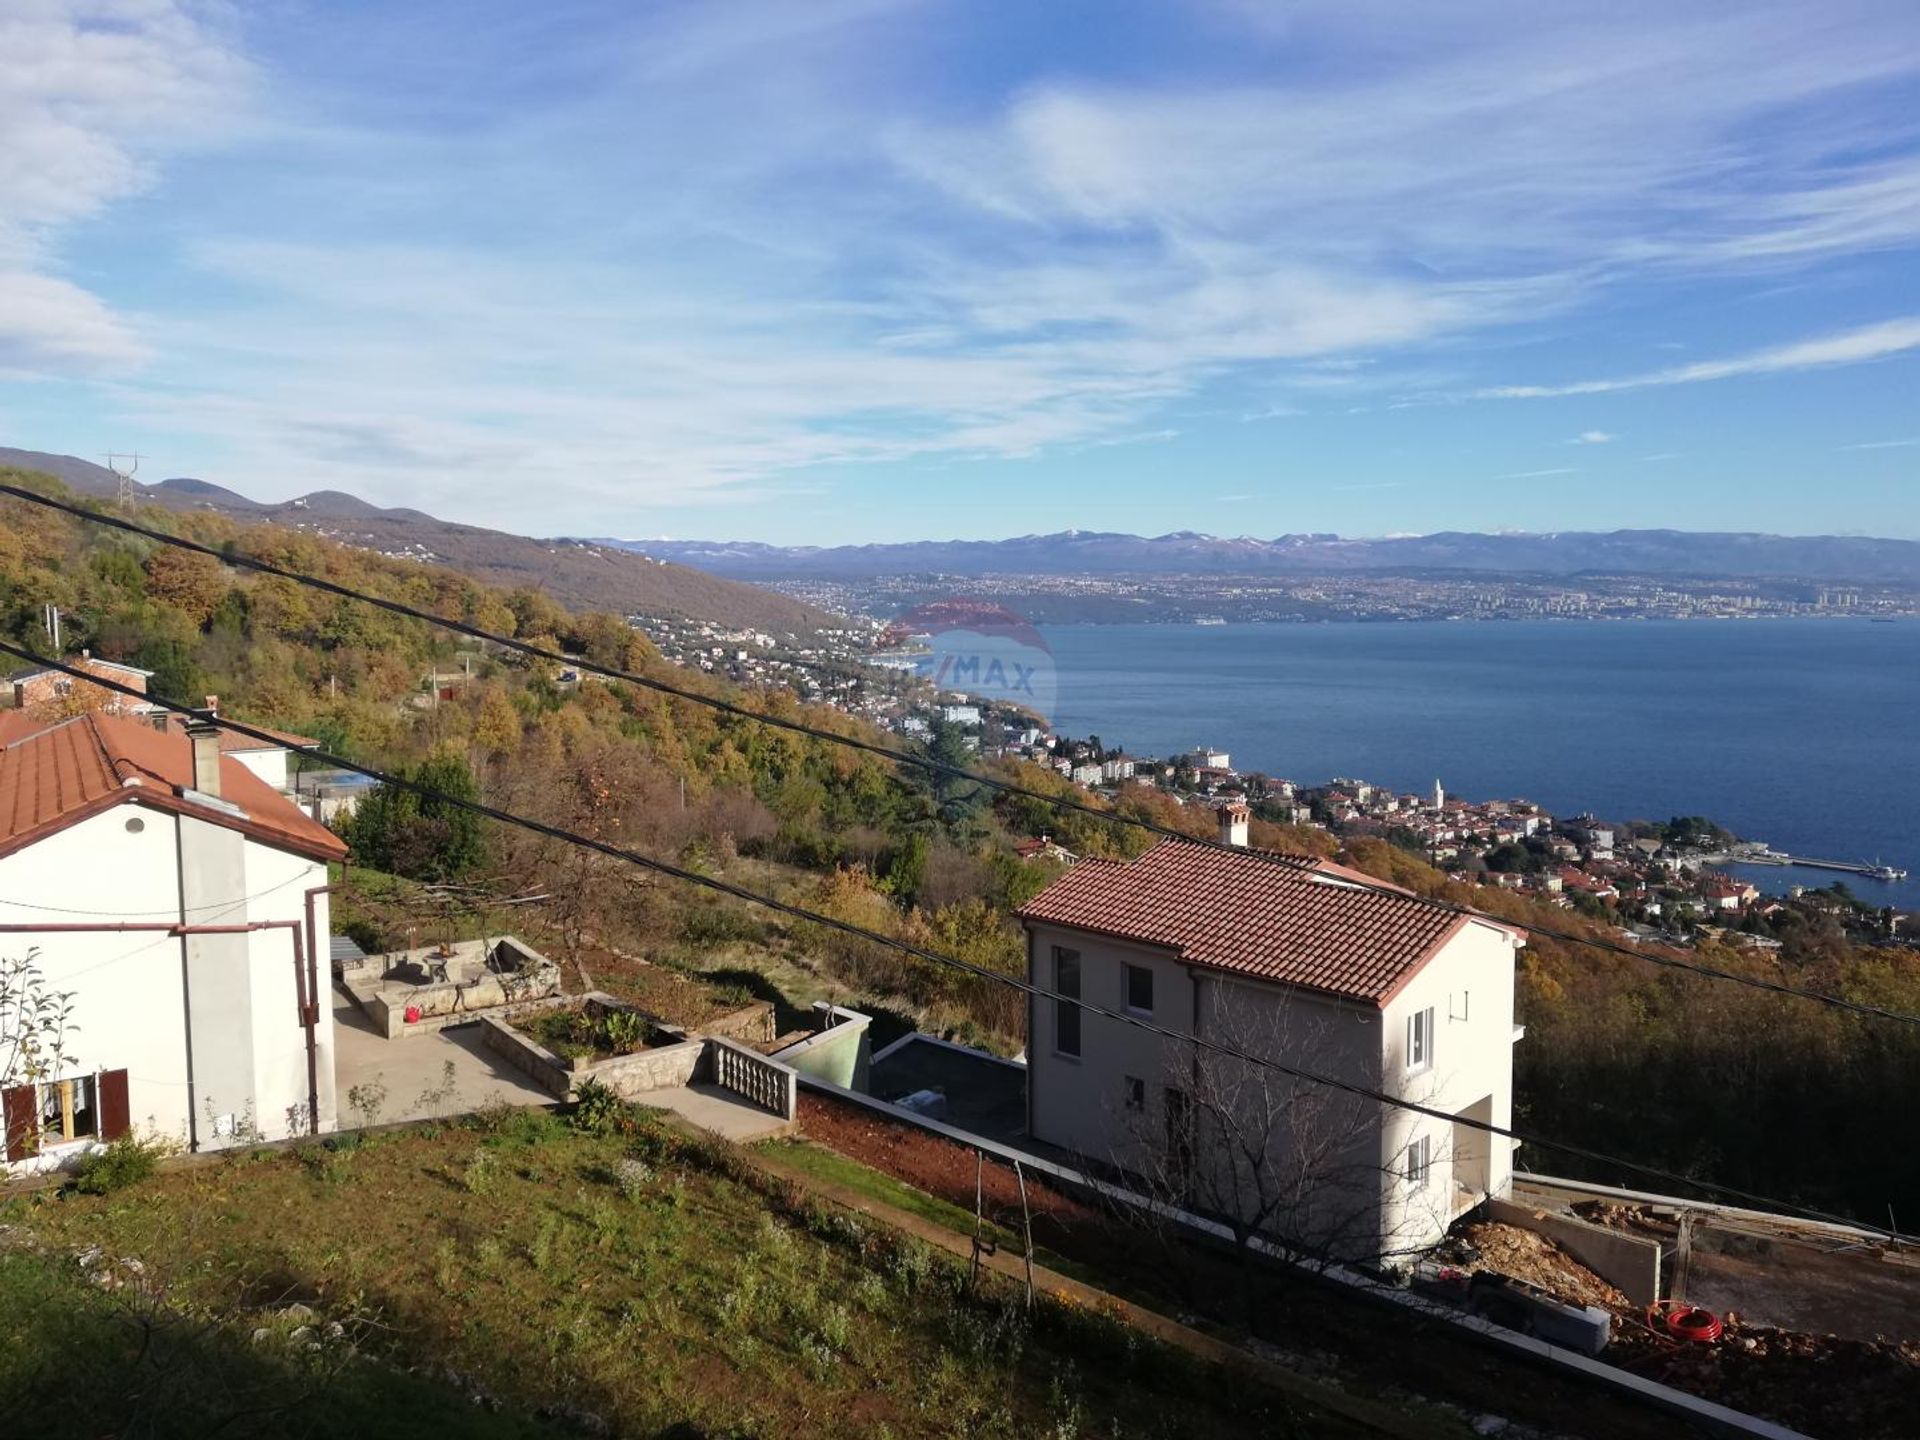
point(114, 1115)
point(21, 1110)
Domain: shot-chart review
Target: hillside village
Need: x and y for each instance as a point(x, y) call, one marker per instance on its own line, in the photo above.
point(221, 948)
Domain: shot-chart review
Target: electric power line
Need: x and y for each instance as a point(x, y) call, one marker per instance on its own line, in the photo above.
point(981, 972)
point(928, 763)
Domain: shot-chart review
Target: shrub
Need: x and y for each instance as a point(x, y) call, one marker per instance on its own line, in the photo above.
point(124, 1162)
point(596, 1109)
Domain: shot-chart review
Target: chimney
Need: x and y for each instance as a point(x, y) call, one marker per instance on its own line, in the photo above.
point(1234, 816)
point(213, 705)
point(204, 736)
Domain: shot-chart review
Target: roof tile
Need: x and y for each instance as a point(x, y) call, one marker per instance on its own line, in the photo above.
point(54, 773)
point(1274, 917)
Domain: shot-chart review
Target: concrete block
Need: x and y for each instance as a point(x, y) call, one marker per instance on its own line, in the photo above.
point(1631, 1263)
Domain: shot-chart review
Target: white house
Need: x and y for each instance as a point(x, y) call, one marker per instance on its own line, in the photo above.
point(266, 759)
point(180, 900)
point(1288, 959)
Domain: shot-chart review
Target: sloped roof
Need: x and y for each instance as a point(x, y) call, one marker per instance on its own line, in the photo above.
point(232, 742)
point(1278, 918)
point(54, 774)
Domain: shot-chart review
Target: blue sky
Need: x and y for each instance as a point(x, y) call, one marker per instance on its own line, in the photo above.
point(889, 269)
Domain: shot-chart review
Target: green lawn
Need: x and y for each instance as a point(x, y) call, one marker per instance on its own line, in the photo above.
point(640, 1278)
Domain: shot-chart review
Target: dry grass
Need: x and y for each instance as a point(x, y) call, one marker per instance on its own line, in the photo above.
point(639, 1278)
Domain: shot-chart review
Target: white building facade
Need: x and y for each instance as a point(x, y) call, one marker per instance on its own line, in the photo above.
point(1220, 946)
point(173, 917)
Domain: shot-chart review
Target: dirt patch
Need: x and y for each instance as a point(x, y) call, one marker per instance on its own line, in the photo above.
point(1525, 1255)
point(666, 994)
point(944, 1170)
point(1820, 1384)
point(1814, 1383)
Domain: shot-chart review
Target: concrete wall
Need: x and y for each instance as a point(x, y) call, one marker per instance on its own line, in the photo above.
point(1629, 1262)
point(231, 1044)
point(752, 1025)
point(628, 1076)
point(1354, 1152)
point(840, 1054)
point(1469, 987)
point(269, 765)
point(1079, 1103)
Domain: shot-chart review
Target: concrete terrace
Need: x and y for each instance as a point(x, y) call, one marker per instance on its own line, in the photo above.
point(413, 1070)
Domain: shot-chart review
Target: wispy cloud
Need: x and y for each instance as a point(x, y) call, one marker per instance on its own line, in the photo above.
point(94, 94)
point(1883, 444)
point(1591, 437)
point(1851, 347)
point(692, 253)
point(1538, 474)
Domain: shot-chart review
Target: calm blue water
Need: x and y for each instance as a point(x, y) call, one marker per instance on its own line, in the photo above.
point(1802, 733)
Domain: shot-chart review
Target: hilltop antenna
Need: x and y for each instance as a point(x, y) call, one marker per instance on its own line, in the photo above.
point(125, 496)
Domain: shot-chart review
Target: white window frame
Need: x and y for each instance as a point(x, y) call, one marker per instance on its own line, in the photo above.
point(1419, 1162)
point(1420, 1037)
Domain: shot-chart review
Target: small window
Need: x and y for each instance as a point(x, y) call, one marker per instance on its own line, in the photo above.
point(1420, 1040)
point(67, 1111)
point(1066, 1017)
point(1419, 1162)
point(1136, 1093)
point(1139, 989)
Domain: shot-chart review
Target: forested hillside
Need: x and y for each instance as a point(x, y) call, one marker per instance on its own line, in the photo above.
point(584, 575)
point(1777, 1095)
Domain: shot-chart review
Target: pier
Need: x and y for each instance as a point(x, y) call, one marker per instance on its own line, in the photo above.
point(1774, 857)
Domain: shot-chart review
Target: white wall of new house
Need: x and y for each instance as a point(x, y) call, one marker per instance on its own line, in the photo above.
point(269, 765)
point(207, 1027)
point(1080, 1103)
point(1469, 988)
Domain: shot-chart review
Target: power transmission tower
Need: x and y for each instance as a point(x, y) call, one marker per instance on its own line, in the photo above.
point(125, 497)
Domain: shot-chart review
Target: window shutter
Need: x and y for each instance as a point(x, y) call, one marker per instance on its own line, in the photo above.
point(115, 1118)
point(18, 1106)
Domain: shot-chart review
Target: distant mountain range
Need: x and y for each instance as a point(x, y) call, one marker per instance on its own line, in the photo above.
point(580, 574)
point(1089, 552)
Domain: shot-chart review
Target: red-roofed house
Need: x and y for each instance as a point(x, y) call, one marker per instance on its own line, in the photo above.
point(166, 887)
point(42, 689)
point(1295, 961)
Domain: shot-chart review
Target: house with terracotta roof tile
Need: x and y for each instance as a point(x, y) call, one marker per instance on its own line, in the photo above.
point(1284, 958)
point(41, 689)
point(180, 901)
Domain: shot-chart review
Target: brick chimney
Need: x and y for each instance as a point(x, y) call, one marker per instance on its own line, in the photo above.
point(1234, 817)
point(204, 736)
point(212, 706)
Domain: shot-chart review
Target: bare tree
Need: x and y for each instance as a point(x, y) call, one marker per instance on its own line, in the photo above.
point(35, 1022)
point(1280, 1162)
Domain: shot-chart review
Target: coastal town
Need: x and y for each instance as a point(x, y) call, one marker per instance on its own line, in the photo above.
point(1064, 599)
point(1657, 882)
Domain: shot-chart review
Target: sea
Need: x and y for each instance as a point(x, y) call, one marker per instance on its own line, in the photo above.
point(1804, 733)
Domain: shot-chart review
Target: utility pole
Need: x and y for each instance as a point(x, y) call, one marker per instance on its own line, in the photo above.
point(50, 617)
point(125, 495)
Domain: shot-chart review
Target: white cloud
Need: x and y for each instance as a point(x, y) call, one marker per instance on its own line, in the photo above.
point(1883, 444)
point(692, 251)
point(1538, 474)
point(1850, 347)
point(1591, 437)
point(91, 93)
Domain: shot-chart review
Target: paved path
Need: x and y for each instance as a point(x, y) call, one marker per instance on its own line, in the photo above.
point(413, 1070)
point(720, 1111)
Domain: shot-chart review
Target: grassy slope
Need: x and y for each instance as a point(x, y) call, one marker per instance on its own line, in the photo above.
point(513, 1255)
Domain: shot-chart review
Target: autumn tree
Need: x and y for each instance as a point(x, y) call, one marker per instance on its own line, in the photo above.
point(185, 580)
